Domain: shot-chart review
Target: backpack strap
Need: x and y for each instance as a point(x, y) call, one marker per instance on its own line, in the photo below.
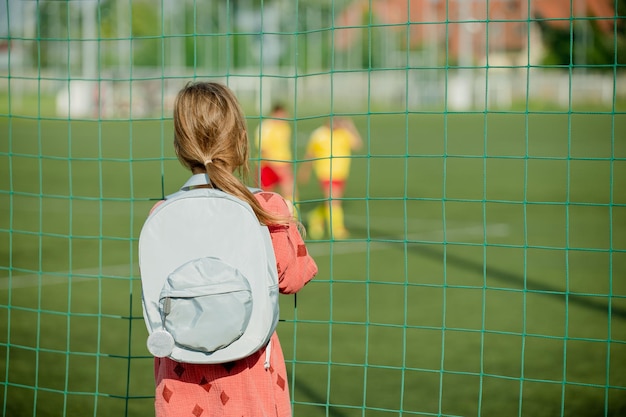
point(268, 355)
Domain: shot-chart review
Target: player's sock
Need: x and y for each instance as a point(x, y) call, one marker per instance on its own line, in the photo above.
point(315, 227)
point(335, 219)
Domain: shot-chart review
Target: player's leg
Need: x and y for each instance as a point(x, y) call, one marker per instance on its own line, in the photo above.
point(333, 191)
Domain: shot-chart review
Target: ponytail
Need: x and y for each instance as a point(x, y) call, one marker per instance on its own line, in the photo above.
point(226, 181)
point(210, 135)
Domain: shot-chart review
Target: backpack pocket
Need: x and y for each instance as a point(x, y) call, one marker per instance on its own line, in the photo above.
point(205, 305)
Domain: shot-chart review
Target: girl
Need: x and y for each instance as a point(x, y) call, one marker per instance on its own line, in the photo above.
point(211, 138)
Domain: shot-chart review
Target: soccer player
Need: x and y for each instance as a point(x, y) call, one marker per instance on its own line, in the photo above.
point(329, 153)
point(273, 138)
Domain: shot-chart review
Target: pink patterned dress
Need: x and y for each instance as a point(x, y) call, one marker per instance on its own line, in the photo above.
point(244, 387)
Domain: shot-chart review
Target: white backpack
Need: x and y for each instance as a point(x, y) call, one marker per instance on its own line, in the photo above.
point(208, 275)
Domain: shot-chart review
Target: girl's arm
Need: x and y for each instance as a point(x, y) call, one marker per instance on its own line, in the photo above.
point(295, 266)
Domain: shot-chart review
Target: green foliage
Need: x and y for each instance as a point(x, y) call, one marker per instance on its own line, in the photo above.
point(601, 50)
point(146, 33)
point(52, 18)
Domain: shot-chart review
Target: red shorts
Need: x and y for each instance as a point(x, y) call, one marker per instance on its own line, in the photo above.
point(269, 177)
point(337, 186)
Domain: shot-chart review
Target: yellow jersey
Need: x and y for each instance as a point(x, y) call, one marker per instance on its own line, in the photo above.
point(274, 140)
point(333, 150)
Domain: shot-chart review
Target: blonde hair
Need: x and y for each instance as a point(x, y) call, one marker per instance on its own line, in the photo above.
point(210, 134)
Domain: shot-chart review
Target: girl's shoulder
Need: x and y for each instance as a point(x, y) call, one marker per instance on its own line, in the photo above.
point(156, 205)
point(273, 202)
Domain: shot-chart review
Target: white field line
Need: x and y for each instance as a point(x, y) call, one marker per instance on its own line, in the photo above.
point(51, 278)
point(316, 250)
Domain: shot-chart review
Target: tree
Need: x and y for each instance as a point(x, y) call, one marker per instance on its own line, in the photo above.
point(600, 49)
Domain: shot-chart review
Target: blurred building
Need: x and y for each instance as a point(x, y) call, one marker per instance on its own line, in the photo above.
point(475, 32)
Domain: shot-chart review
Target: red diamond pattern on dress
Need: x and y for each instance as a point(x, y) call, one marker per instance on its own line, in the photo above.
point(197, 411)
point(267, 196)
point(301, 250)
point(205, 384)
point(180, 370)
point(224, 398)
point(167, 394)
point(280, 382)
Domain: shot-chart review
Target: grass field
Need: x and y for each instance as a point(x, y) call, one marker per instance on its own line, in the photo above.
point(484, 273)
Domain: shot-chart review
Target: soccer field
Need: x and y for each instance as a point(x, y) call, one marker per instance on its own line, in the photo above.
point(484, 272)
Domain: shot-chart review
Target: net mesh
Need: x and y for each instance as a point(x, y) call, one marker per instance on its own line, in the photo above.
point(483, 270)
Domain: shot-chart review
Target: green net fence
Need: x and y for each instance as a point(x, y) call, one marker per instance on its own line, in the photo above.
point(483, 273)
